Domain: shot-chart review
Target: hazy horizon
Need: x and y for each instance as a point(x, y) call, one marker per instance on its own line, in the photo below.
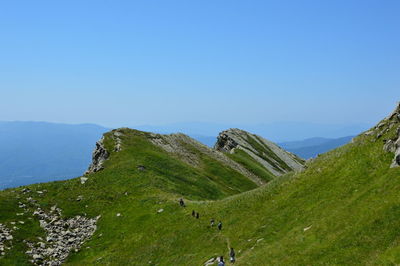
point(136, 63)
point(277, 132)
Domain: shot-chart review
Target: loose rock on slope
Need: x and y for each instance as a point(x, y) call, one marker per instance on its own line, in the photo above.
point(62, 236)
point(5, 237)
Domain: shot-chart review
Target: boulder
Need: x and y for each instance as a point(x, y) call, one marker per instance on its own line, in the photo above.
point(389, 146)
point(141, 167)
point(83, 180)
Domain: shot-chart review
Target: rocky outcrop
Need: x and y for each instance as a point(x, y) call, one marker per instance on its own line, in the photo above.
point(117, 140)
point(226, 142)
point(395, 114)
point(391, 145)
point(99, 155)
point(268, 154)
point(62, 236)
point(394, 146)
point(5, 239)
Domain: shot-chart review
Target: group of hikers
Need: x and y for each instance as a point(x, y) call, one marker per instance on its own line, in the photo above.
point(195, 214)
point(219, 226)
point(232, 259)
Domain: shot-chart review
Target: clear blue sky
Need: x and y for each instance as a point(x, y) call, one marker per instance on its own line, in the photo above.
point(154, 62)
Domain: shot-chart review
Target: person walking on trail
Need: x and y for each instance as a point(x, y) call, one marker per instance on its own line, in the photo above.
point(193, 213)
point(219, 226)
point(221, 261)
point(232, 255)
point(197, 215)
point(181, 202)
point(212, 222)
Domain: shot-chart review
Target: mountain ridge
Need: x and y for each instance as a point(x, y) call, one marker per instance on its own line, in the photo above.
point(320, 216)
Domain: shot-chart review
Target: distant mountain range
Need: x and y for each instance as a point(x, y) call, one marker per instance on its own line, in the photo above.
point(153, 199)
point(306, 149)
point(276, 132)
point(34, 152)
point(310, 148)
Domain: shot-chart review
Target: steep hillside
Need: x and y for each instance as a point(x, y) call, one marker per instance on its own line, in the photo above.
point(257, 153)
point(343, 209)
point(135, 174)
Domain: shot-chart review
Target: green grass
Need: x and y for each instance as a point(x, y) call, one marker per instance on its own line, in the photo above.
point(348, 197)
point(251, 164)
point(268, 155)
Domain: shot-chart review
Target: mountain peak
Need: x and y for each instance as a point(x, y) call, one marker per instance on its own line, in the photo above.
point(272, 157)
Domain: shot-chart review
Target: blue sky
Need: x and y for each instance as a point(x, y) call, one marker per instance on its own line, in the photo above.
point(121, 63)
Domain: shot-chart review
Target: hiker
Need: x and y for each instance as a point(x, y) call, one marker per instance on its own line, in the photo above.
point(219, 226)
point(212, 222)
point(221, 261)
point(232, 255)
point(197, 215)
point(193, 213)
point(181, 202)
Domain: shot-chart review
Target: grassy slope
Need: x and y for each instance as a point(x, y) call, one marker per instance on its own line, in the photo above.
point(251, 164)
point(348, 196)
point(165, 179)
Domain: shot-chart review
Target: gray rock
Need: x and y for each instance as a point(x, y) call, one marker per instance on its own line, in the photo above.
point(83, 180)
point(396, 160)
point(393, 145)
point(5, 239)
point(99, 155)
point(389, 146)
point(271, 156)
point(62, 236)
point(37, 257)
point(368, 133)
point(141, 167)
point(395, 113)
point(117, 140)
point(26, 190)
point(211, 261)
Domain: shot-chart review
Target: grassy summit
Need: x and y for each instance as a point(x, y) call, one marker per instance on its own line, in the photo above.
point(343, 209)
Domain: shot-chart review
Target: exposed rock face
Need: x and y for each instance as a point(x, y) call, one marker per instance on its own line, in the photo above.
point(99, 155)
point(62, 236)
point(396, 150)
point(391, 145)
point(271, 156)
point(5, 239)
point(225, 141)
